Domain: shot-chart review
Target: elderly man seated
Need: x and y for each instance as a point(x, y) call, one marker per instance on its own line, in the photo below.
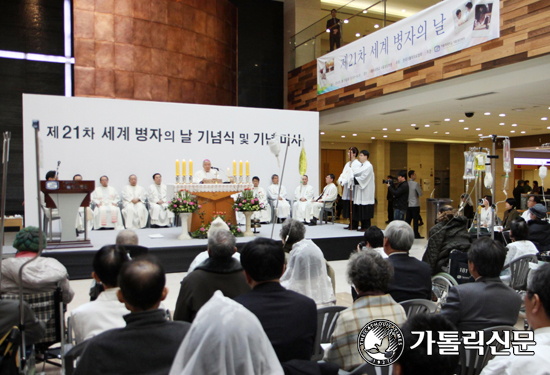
point(133, 199)
point(487, 302)
point(106, 213)
point(42, 275)
point(373, 302)
point(158, 203)
point(412, 278)
point(106, 312)
point(149, 343)
point(303, 196)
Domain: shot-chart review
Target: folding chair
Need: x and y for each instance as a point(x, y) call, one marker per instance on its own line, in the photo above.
point(325, 210)
point(519, 271)
point(418, 306)
point(326, 323)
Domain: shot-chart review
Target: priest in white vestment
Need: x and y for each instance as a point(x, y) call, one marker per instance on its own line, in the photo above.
point(106, 213)
point(133, 201)
point(303, 196)
point(158, 203)
point(344, 180)
point(209, 173)
point(273, 194)
point(263, 215)
point(326, 199)
point(363, 191)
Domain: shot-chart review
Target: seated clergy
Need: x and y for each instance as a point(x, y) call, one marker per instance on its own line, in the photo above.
point(303, 195)
point(208, 173)
point(106, 312)
point(158, 203)
point(283, 208)
point(326, 199)
point(80, 215)
point(133, 201)
point(106, 213)
point(148, 343)
point(262, 215)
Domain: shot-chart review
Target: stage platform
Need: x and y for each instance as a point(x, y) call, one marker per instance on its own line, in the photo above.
point(176, 256)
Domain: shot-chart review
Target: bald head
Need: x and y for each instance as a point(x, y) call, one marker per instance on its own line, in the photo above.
point(127, 237)
point(207, 165)
point(141, 283)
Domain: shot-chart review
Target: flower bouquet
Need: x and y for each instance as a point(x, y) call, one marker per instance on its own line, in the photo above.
point(202, 232)
point(247, 202)
point(183, 202)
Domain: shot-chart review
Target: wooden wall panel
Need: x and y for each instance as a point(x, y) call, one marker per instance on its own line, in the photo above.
point(524, 34)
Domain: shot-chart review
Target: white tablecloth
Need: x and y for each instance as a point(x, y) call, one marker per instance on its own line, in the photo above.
point(205, 188)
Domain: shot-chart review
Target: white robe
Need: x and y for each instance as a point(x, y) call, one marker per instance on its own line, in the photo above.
point(202, 174)
point(363, 194)
point(160, 215)
point(80, 219)
point(330, 193)
point(299, 208)
point(135, 214)
point(262, 215)
point(108, 214)
point(345, 177)
point(284, 206)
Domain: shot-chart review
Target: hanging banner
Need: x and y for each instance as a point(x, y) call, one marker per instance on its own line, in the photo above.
point(445, 28)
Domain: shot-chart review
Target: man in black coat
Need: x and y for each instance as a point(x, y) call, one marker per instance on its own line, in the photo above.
point(487, 302)
point(400, 196)
point(412, 278)
point(149, 343)
point(289, 319)
point(539, 228)
point(518, 190)
point(333, 24)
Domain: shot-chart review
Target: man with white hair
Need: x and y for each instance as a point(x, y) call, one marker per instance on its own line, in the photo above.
point(127, 237)
point(303, 196)
point(412, 278)
point(278, 199)
point(106, 213)
point(158, 203)
point(133, 201)
point(207, 172)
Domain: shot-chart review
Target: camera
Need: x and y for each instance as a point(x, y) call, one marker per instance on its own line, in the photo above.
point(388, 181)
point(469, 114)
point(481, 201)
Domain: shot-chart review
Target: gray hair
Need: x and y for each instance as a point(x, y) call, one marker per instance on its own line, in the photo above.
point(221, 244)
point(292, 231)
point(127, 237)
point(400, 235)
point(369, 272)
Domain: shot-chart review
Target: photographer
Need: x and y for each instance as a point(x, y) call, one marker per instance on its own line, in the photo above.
point(400, 196)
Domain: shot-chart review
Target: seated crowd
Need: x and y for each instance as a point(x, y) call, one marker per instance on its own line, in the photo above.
point(256, 311)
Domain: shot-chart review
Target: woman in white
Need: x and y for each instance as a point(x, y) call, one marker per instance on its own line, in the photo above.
point(486, 215)
point(226, 338)
point(306, 270)
point(520, 246)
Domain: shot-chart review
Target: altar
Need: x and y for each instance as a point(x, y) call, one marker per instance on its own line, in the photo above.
point(212, 198)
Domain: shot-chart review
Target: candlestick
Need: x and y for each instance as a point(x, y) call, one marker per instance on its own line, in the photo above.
point(177, 168)
point(247, 169)
point(183, 168)
point(228, 172)
point(234, 168)
point(240, 168)
point(190, 168)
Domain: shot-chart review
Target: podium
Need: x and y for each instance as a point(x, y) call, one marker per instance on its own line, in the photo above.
point(68, 197)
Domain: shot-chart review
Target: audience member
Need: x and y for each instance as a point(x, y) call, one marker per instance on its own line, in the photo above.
point(106, 312)
point(225, 338)
point(487, 302)
point(450, 233)
point(532, 200)
point(520, 245)
point(537, 311)
point(370, 274)
point(127, 237)
point(486, 214)
point(518, 190)
point(306, 272)
point(219, 272)
point(9, 317)
point(417, 361)
point(289, 319)
point(412, 278)
point(539, 228)
point(536, 187)
point(374, 240)
point(526, 187)
point(510, 214)
point(413, 210)
point(149, 342)
point(41, 275)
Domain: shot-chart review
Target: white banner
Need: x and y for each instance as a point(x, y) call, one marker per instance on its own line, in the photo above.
point(445, 28)
point(95, 137)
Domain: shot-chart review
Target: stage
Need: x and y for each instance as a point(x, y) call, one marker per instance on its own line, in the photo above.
point(176, 256)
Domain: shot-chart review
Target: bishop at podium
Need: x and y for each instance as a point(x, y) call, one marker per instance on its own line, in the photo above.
point(208, 173)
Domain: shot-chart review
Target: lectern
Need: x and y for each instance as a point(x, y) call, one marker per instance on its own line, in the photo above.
point(67, 197)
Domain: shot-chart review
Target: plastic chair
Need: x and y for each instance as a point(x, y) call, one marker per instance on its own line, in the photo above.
point(471, 362)
point(325, 210)
point(519, 270)
point(418, 306)
point(326, 323)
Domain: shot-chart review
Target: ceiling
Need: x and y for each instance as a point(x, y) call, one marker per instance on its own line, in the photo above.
point(520, 91)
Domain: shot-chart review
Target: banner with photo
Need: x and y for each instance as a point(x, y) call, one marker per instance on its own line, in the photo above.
point(442, 29)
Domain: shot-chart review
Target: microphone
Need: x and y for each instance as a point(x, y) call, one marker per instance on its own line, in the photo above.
point(216, 168)
point(57, 170)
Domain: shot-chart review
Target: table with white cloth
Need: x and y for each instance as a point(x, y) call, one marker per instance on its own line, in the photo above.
point(212, 198)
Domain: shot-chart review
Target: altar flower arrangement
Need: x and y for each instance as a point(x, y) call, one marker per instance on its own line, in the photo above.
point(202, 232)
point(247, 202)
point(183, 202)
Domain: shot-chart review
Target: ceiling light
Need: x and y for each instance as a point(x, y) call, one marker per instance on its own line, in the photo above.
point(322, 133)
point(357, 35)
point(355, 135)
point(413, 124)
point(376, 26)
point(365, 11)
point(384, 128)
point(447, 133)
point(328, 30)
point(544, 118)
point(523, 132)
point(427, 125)
point(397, 130)
point(343, 136)
point(487, 113)
point(480, 135)
point(466, 128)
point(502, 115)
point(501, 123)
point(460, 120)
point(346, 21)
point(478, 129)
point(512, 131)
point(435, 132)
point(514, 124)
point(447, 119)
point(372, 137)
point(548, 127)
point(385, 136)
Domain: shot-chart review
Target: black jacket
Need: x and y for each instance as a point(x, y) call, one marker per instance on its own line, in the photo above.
point(445, 237)
point(400, 196)
point(411, 280)
point(539, 234)
point(289, 319)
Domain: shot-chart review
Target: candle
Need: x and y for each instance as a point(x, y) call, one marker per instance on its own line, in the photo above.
point(247, 169)
point(234, 168)
point(190, 167)
point(177, 167)
point(183, 168)
point(240, 168)
point(228, 172)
